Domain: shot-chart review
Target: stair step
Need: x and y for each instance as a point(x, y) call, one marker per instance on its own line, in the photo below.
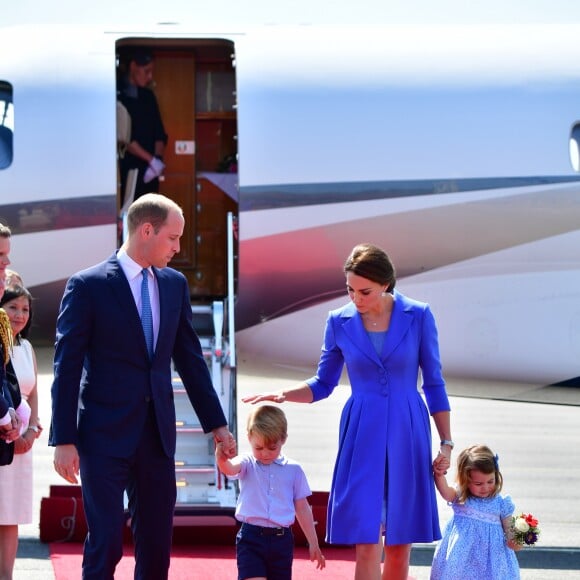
point(194, 469)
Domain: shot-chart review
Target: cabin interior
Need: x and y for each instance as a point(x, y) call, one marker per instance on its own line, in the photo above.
point(195, 85)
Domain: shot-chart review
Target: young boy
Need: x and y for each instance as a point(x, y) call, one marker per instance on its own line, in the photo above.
point(273, 491)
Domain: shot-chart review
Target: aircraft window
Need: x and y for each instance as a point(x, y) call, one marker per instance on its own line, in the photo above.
point(575, 147)
point(6, 124)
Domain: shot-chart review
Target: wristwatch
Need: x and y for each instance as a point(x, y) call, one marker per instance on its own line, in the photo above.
point(448, 442)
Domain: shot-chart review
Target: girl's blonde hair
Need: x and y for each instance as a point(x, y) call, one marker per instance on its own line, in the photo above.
point(268, 422)
point(479, 458)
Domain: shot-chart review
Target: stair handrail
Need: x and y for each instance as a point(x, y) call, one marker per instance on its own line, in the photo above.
point(231, 296)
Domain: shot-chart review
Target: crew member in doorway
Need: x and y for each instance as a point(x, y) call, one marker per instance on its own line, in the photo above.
point(145, 150)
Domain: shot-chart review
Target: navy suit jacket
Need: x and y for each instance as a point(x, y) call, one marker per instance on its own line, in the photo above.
point(4, 406)
point(104, 381)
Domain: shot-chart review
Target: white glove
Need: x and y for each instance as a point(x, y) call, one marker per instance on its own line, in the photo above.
point(154, 170)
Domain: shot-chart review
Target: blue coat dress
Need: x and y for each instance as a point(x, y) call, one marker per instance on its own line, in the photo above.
point(384, 445)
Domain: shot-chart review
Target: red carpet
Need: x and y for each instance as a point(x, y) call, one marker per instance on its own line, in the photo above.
point(212, 557)
point(206, 562)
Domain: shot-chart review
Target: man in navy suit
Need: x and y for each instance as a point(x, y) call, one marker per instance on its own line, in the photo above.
point(113, 416)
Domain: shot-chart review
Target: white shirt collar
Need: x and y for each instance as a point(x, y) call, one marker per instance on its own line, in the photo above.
point(130, 267)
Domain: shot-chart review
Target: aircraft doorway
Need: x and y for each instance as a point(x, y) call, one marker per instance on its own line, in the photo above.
point(195, 87)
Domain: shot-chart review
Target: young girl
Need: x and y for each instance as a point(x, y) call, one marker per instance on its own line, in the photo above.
point(475, 543)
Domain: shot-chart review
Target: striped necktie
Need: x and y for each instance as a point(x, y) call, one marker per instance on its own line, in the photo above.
point(146, 314)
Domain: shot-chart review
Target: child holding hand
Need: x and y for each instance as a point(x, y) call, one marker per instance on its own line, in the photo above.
point(273, 492)
point(477, 542)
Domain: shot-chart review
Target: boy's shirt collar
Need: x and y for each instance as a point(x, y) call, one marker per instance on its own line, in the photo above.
point(280, 460)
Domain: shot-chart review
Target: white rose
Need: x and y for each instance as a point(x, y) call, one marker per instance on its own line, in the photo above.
point(521, 525)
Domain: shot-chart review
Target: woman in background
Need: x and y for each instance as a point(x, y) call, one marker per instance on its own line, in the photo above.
point(16, 479)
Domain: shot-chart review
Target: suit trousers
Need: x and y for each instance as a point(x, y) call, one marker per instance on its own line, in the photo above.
point(148, 476)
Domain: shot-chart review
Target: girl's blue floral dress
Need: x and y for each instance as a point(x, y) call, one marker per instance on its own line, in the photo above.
point(473, 546)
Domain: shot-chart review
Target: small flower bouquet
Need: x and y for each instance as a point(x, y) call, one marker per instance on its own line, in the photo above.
point(524, 529)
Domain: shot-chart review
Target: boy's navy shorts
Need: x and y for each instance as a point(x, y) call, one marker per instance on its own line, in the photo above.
point(264, 552)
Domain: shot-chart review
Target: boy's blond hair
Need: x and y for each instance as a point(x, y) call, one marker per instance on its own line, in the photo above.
point(268, 422)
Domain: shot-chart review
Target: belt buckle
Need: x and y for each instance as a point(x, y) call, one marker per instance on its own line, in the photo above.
point(279, 532)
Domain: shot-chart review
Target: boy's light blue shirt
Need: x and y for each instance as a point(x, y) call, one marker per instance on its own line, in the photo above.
point(268, 492)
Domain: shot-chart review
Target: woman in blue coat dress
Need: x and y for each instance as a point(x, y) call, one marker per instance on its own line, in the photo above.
point(383, 476)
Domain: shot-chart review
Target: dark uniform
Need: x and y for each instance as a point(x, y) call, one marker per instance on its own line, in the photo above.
point(146, 128)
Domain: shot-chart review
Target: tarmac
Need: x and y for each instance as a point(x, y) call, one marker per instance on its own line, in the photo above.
point(534, 429)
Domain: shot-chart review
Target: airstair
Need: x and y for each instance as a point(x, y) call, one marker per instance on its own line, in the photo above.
point(201, 489)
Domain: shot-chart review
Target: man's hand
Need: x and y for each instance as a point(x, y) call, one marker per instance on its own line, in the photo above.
point(223, 436)
point(66, 462)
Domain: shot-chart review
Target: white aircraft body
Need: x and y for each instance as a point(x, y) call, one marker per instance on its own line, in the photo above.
point(451, 144)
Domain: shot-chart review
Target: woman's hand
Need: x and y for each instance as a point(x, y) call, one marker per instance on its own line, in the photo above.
point(24, 443)
point(439, 469)
point(274, 397)
point(442, 462)
point(301, 393)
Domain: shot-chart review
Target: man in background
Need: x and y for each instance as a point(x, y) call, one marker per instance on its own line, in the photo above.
point(143, 156)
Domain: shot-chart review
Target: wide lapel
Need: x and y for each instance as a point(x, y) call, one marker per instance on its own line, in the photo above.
point(122, 293)
point(353, 327)
point(401, 320)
